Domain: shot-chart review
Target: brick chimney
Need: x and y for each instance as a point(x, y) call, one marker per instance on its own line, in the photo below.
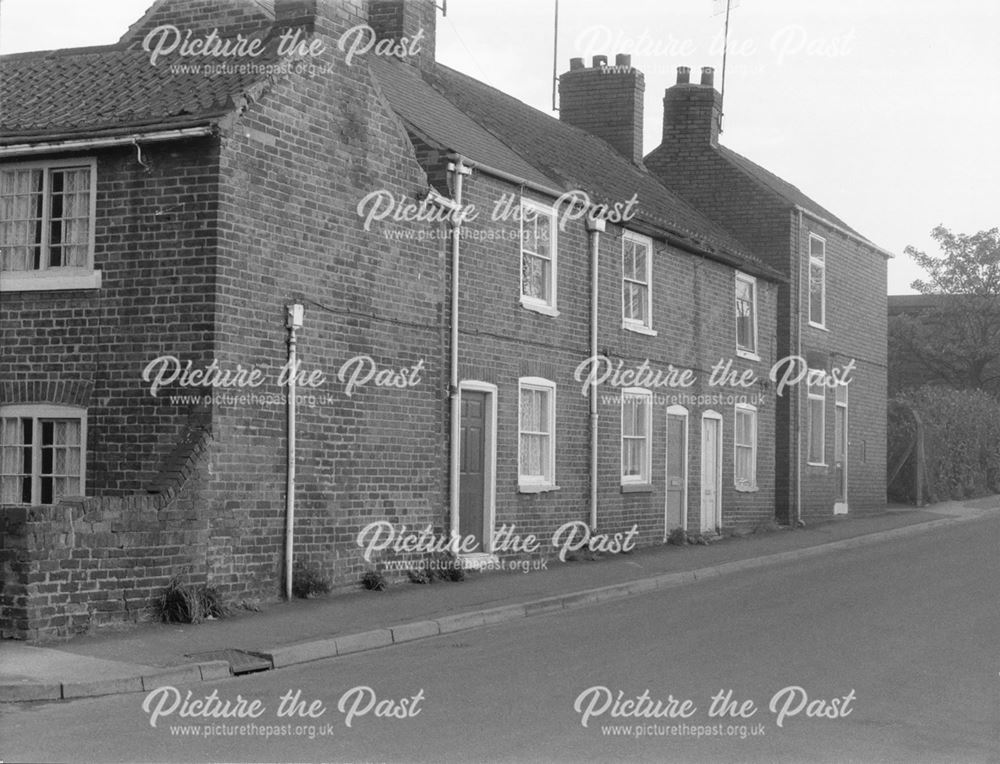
point(692, 112)
point(606, 101)
point(230, 17)
point(398, 19)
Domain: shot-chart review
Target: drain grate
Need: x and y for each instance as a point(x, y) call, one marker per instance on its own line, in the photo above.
point(240, 661)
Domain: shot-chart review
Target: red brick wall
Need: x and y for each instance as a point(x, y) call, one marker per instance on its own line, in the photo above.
point(294, 168)
point(84, 562)
point(855, 329)
point(155, 237)
point(856, 287)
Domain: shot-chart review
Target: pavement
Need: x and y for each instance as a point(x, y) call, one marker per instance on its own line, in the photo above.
point(138, 658)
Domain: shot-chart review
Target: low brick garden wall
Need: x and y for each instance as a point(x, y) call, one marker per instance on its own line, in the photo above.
point(89, 561)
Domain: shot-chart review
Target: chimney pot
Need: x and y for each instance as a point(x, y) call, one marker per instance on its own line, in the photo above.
point(576, 63)
point(683, 75)
point(708, 76)
point(623, 59)
point(600, 61)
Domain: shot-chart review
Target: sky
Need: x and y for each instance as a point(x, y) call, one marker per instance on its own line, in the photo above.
point(883, 112)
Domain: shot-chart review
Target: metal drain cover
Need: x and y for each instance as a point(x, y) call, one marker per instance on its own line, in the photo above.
point(240, 661)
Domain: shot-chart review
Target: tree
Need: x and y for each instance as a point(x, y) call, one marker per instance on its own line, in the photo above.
point(952, 335)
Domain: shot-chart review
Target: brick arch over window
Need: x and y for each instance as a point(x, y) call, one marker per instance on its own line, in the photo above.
point(76, 392)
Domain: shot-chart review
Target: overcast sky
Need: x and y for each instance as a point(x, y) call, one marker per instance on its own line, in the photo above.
point(885, 112)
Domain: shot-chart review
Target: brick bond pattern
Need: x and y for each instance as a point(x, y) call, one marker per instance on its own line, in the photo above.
point(200, 255)
point(688, 163)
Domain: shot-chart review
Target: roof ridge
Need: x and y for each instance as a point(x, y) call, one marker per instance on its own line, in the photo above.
point(742, 251)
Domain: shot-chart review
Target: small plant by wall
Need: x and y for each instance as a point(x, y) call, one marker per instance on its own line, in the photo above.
point(309, 581)
point(374, 581)
point(188, 603)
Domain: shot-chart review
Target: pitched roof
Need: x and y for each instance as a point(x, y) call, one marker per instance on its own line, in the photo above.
point(782, 188)
point(438, 121)
point(87, 91)
point(493, 128)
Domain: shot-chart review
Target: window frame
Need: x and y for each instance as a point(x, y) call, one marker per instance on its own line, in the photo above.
point(751, 483)
point(819, 262)
point(59, 277)
point(631, 324)
point(812, 396)
point(38, 412)
point(645, 477)
point(547, 307)
point(743, 352)
point(535, 483)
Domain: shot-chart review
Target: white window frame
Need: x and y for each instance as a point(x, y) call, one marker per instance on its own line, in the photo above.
point(39, 411)
point(810, 397)
point(751, 483)
point(819, 262)
point(642, 327)
point(60, 277)
point(535, 483)
point(646, 476)
point(547, 307)
point(743, 352)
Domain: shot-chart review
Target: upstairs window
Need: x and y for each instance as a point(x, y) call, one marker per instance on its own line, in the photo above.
point(47, 225)
point(746, 316)
point(41, 453)
point(637, 262)
point(538, 258)
point(817, 281)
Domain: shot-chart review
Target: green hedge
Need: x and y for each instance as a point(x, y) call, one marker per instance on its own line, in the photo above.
point(961, 439)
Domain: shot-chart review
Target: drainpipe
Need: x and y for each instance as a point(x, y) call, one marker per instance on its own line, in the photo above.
point(798, 388)
point(294, 323)
point(595, 227)
point(459, 170)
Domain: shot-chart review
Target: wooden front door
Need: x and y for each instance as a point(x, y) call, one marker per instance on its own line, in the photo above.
point(472, 487)
point(711, 474)
point(676, 472)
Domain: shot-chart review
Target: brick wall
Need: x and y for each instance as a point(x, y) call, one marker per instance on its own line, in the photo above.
point(89, 561)
point(856, 328)
point(294, 167)
point(607, 102)
point(155, 236)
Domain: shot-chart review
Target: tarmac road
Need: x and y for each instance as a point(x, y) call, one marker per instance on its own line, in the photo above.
point(887, 652)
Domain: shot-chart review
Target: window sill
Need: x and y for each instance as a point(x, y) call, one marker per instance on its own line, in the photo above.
point(545, 310)
point(747, 355)
point(536, 488)
point(14, 281)
point(817, 464)
point(639, 329)
point(821, 327)
point(746, 488)
point(637, 487)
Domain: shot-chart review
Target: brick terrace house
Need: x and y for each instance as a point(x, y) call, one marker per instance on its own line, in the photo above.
point(157, 225)
point(830, 443)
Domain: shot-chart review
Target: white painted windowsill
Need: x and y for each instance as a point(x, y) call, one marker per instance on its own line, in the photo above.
point(16, 281)
point(639, 329)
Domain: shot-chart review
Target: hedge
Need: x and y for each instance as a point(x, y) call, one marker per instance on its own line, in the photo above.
point(961, 440)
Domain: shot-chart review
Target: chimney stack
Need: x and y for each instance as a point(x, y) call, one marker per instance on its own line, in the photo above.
point(606, 101)
point(397, 19)
point(692, 113)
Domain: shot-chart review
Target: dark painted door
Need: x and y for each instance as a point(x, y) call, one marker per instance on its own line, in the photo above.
point(473, 485)
point(676, 477)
